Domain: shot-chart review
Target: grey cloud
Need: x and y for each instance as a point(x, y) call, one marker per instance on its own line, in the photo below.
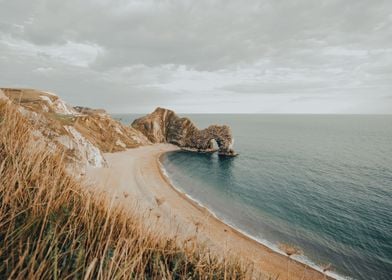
point(119, 91)
point(200, 34)
point(152, 52)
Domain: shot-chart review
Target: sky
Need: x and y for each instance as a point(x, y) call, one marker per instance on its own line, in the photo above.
point(204, 56)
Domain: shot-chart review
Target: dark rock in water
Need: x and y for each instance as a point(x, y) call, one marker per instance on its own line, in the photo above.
point(164, 126)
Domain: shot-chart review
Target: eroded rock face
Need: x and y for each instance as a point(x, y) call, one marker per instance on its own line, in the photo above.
point(164, 126)
point(83, 133)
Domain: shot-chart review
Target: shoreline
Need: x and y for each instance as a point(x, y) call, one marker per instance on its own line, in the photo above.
point(304, 260)
point(138, 172)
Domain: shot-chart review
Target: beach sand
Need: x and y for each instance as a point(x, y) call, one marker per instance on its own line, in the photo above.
point(135, 176)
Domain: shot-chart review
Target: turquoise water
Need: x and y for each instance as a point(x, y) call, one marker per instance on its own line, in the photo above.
point(323, 183)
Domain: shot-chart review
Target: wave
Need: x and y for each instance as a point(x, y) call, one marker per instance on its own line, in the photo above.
point(271, 245)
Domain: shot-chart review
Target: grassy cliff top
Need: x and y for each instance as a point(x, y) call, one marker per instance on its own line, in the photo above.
point(51, 227)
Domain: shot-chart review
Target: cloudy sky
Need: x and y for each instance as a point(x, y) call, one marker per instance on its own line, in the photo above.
point(129, 56)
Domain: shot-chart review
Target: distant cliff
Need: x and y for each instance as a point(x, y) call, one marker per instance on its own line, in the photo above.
point(164, 126)
point(83, 133)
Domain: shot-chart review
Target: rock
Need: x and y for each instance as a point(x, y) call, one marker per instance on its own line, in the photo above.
point(106, 133)
point(84, 134)
point(164, 126)
point(57, 105)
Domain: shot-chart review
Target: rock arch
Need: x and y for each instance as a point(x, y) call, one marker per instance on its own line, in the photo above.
point(164, 125)
point(221, 134)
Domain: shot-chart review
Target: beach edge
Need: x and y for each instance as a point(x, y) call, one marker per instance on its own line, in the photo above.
point(237, 232)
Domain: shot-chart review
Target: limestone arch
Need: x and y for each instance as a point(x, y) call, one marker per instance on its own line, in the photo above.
point(213, 144)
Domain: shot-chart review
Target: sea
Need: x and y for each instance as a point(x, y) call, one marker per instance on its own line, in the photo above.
point(322, 183)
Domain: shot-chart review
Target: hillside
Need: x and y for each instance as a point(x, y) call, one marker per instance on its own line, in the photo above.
point(52, 227)
point(83, 133)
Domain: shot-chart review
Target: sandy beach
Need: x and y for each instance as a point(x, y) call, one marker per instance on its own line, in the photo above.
point(135, 176)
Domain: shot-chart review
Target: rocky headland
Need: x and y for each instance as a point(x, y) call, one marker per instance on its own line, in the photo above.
point(165, 126)
point(85, 134)
point(81, 138)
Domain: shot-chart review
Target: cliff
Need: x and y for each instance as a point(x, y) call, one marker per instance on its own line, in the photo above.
point(164, 126)
point(56, 226)
point(83, 133)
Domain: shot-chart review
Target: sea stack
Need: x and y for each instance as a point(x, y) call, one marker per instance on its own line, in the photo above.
point(165, 126)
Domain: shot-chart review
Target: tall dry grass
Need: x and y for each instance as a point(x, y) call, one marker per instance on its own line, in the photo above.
point(52, 228)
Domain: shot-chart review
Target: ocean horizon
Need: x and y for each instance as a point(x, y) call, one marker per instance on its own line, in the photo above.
point(319, 182)
point(288, 176)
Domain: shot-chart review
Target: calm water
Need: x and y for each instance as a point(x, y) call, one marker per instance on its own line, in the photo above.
point(323, 183)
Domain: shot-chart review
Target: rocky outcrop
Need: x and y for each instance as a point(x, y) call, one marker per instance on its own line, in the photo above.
point(105, 132)
point(83, 133)
point(164, 126)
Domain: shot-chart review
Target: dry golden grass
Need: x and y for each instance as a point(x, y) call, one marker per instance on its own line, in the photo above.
point(101, 130)
point(52, 228)
point(102, 133)
point(24, 95)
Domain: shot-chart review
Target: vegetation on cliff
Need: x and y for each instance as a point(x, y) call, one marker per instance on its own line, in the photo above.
point(51, 227)
point(84, 133)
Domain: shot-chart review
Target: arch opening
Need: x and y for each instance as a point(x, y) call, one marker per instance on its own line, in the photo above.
point(213, 145)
